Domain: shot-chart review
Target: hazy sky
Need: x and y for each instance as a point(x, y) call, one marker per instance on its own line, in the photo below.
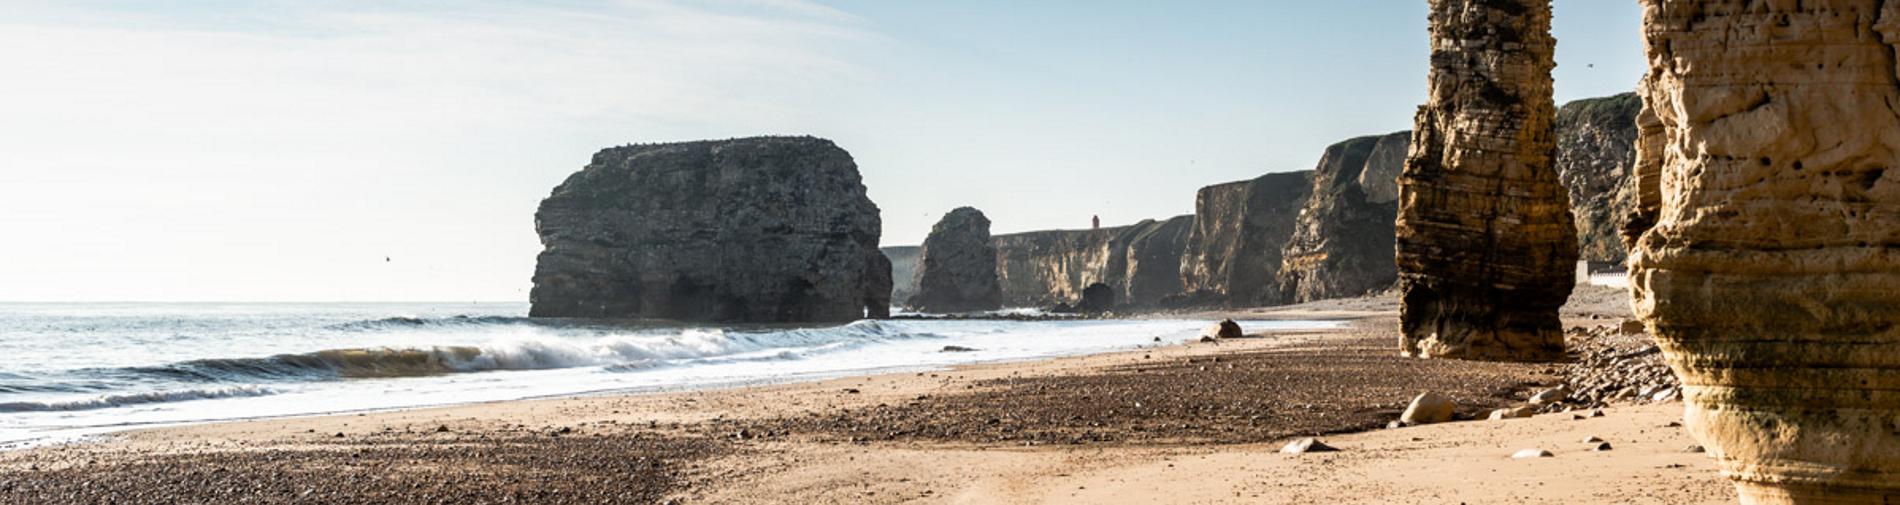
point(275, 150)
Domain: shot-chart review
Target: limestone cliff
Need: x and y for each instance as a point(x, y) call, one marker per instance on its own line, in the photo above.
point(1141, 263)
point(956, 271)
point(1342, 243)
point(768, 229)
point(1596, 158)
point(1487, 246)
point(1232, 255)
point(1767, 257)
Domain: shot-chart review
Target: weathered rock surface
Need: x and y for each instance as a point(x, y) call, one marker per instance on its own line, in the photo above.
point(903, 270)
point(1239, 229)
point(1486, 243)
point(769, 229)
point(1342, 242)
point(956, 271)
point(1429, 408)
point(1222, 329)
point(1768, 249)
point(1596, 159)
point(1141, 263)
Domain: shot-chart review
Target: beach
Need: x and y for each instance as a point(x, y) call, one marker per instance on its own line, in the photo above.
point(1190, 423)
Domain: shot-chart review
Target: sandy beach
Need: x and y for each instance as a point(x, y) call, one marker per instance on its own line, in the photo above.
point(1197, 423)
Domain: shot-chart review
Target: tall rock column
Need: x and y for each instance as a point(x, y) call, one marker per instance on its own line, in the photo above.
point(1486, 246)
point(1767, 252)
point(956, 271)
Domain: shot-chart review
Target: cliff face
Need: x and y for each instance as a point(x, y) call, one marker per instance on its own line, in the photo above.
point(770, 229)
point(1486, 241)
point(1767, 250)
point(1342, 244)
point(1596, 158)
point(1232, 255)
point(903, 270)
point(1141, 263)
point(957, 269)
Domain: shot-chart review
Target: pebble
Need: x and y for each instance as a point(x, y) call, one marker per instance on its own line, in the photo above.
point(1695, 448)
point(1306, 445)
point(1592, 440)
point(1533, 453)
point(1602, 447)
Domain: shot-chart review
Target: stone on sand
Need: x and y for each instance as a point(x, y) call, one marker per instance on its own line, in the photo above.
point(1533, 453)
point(1306, 445)
point(1224, 329)
point(1550, 396)
point(1428, 408)
point(1516, 413)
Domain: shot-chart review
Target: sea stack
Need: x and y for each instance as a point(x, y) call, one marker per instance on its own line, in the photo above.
point(1487, 249)
point(1767, 251)
point(956, 270)
point(766, 230)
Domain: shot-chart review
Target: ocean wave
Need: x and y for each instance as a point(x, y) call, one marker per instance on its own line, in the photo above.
point(401, 322)
point(618, 352)
point(125, 399)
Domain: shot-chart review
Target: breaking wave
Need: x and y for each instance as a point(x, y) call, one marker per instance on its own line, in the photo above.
point(121, 400)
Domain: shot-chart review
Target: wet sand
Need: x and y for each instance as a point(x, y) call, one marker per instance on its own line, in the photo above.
point(1197, 423)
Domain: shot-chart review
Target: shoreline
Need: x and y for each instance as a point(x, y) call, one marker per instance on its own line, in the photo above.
point(1061, 430)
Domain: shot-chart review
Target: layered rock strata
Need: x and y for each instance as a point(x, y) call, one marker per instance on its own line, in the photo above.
point(956, 270)
point(769, 229)
point(1487, 248)
point(1141, 263)
point(1767, 248)
point(1342, 241)
point(1232, 256)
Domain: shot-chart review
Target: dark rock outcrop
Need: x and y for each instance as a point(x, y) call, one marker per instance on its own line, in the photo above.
point(903, 270)
point(1342, 244)
point(1232, 255)
point(1596, 157)
point(1487, 246)
point(1096, 299)
point(769, 229)
point(956, 271)
point(1767, 259)
point(1141, 263)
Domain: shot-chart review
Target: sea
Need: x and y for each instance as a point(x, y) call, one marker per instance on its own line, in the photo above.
point(71, 371)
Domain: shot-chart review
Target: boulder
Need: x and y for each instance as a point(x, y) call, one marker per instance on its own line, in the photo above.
point(1223, 329)
point(1306, 445)
point(1516, 413)
point(1487, 247)
point(1428, 408)
point(1767, 238)
point(768, 229)
point(956, 269)
point(1550, 396)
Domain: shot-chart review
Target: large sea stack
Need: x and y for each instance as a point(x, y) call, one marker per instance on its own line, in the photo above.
point(769, 229)
point(956, 272)
point(1767, 259)
point(1486, 245)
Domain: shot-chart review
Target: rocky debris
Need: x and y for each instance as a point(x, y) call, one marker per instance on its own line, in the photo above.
point(1605, 446)
point(1428, 408)
point(1306, 445)
point(1533, 453)
point(1550, 396)
point(767, 229)
point(1596, 158)
point(1697, 449)
point(956, 269)
point(1611, 366)
point(903, 270)
point(1593, 440)
point(1223, 329)
point(1487, 247)
point(1140, 262)
point(1096, 299)
point(1342, 241)
point(1232, 257)
point(1516, 413)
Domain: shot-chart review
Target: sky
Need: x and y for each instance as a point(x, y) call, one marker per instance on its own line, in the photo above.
point(395, 150)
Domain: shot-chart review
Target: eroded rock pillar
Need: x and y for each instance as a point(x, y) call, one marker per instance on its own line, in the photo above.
point(1487, 249)
point(1765, 258)
point(956, 271)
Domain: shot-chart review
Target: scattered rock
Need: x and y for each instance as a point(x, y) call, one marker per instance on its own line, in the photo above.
point(1306, 445)
point(1224, 329)
point(1632, 327)
point(1695, 449)
point(1596, 413)
point(1592, 440)
point(1550, 396)
point(1533, 453)
point(1428, 408)
point(1516, 413)
point(442, 429)
point(1602, 447)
